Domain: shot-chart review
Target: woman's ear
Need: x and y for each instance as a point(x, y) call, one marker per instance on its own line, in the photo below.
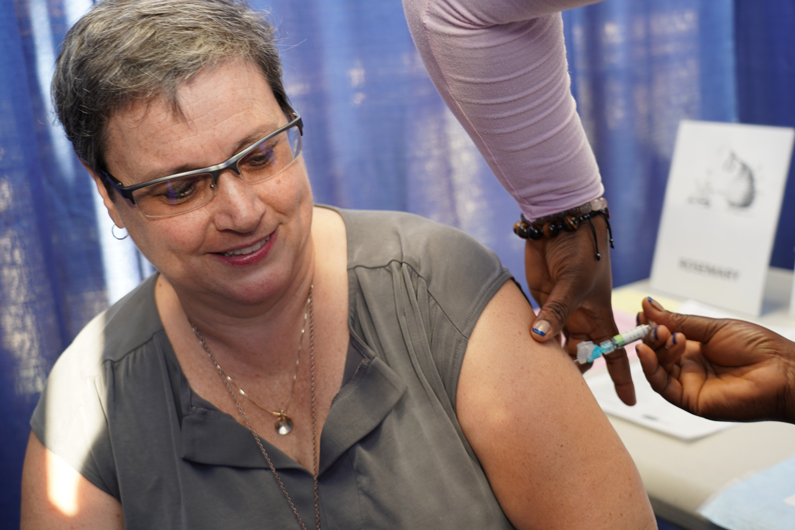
point(106, 199)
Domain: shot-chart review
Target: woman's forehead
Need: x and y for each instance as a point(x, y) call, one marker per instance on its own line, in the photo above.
point(218, 109)
point(231, 84)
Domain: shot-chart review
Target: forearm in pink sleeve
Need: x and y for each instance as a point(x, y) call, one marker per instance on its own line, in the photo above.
point(500, 66)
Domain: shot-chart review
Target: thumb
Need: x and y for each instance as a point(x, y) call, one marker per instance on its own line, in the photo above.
point(693, 327)
point(552, 316)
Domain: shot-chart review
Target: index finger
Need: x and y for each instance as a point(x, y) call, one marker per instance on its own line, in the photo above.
point(617, 361)
point(618, 368)
point(694, 327)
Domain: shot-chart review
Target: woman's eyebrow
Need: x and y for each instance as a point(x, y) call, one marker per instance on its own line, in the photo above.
point(257, 134)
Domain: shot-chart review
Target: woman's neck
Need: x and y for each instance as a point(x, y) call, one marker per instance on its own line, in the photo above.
point(259, 337)
point(264, 337)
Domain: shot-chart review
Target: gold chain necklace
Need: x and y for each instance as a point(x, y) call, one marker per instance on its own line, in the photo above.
point(226, 380)
point(284, 423)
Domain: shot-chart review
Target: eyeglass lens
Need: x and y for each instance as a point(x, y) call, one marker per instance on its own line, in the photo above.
point(178, 195)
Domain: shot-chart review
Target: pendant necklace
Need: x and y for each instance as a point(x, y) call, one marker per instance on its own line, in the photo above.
point(284, 423)
point(227, 380)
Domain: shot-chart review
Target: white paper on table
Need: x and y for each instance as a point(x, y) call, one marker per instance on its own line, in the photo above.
point(694, 307)
point(720, 213)
point(651, 410)
point(763, 501)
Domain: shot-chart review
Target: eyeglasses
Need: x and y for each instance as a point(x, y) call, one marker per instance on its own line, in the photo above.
point(183, 192)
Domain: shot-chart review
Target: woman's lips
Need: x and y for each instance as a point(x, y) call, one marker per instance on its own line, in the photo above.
point(251, 254)
point(248, 250)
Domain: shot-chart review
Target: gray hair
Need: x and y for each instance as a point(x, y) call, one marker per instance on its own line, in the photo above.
point(124, 52)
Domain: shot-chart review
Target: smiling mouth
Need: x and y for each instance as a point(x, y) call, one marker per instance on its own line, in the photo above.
point(247, 250)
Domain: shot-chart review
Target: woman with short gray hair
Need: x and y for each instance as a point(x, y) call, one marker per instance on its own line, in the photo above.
point(289, 365)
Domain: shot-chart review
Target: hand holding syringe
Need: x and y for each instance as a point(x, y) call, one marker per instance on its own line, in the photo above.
point(588, 352)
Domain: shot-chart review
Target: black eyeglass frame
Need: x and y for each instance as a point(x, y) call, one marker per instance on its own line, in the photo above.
point(216, 170)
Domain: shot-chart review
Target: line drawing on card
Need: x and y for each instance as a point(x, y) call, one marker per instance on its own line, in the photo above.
point(729, 181)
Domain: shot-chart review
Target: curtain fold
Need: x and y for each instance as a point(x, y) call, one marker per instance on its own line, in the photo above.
point(638, 69)
point(765, 80)
point(377, 137)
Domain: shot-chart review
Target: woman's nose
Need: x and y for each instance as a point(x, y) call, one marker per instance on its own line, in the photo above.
point(237, 206)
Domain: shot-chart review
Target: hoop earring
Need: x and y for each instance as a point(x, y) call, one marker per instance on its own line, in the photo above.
point(113, 233)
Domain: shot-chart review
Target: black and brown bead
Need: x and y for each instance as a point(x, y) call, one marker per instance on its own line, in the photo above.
point(526, 230)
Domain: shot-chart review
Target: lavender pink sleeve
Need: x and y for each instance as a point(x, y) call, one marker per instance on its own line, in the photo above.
point(500, 65)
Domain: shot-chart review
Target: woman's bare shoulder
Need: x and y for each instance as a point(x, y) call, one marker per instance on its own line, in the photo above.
point(552, 457)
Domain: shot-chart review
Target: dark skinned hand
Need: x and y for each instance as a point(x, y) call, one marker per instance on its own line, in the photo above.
point(574, 291)
point(720, 369)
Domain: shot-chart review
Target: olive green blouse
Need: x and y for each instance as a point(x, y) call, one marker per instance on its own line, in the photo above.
point(118, 408)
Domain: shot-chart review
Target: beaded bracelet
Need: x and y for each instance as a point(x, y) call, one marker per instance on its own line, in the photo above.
point(588, 207)
point(569, 220)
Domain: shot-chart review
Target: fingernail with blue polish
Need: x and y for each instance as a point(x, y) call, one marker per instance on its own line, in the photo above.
point(637, 319)
point(542, 327)
point(655, 303)
point(673, 337)
point(655, 333)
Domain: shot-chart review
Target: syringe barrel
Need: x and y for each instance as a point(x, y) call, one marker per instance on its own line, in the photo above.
point(632, 335)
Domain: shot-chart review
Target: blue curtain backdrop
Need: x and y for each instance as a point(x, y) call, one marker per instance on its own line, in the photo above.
point(377, 136)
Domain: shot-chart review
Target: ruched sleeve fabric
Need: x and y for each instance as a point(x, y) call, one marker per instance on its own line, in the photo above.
point(118, 408)
point(500, 66)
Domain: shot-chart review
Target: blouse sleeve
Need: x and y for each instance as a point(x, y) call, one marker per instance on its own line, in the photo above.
point(70, 419)
point(500, 66)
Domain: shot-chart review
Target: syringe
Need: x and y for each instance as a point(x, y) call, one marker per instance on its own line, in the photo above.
point(588, 352)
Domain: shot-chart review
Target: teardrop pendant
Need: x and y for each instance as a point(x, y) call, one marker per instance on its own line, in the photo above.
point(284, 424)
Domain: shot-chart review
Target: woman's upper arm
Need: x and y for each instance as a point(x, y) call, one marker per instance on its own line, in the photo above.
point(54, 495)
point(552, 458)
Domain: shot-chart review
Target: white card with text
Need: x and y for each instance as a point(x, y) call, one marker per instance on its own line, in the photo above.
point(720, 214)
